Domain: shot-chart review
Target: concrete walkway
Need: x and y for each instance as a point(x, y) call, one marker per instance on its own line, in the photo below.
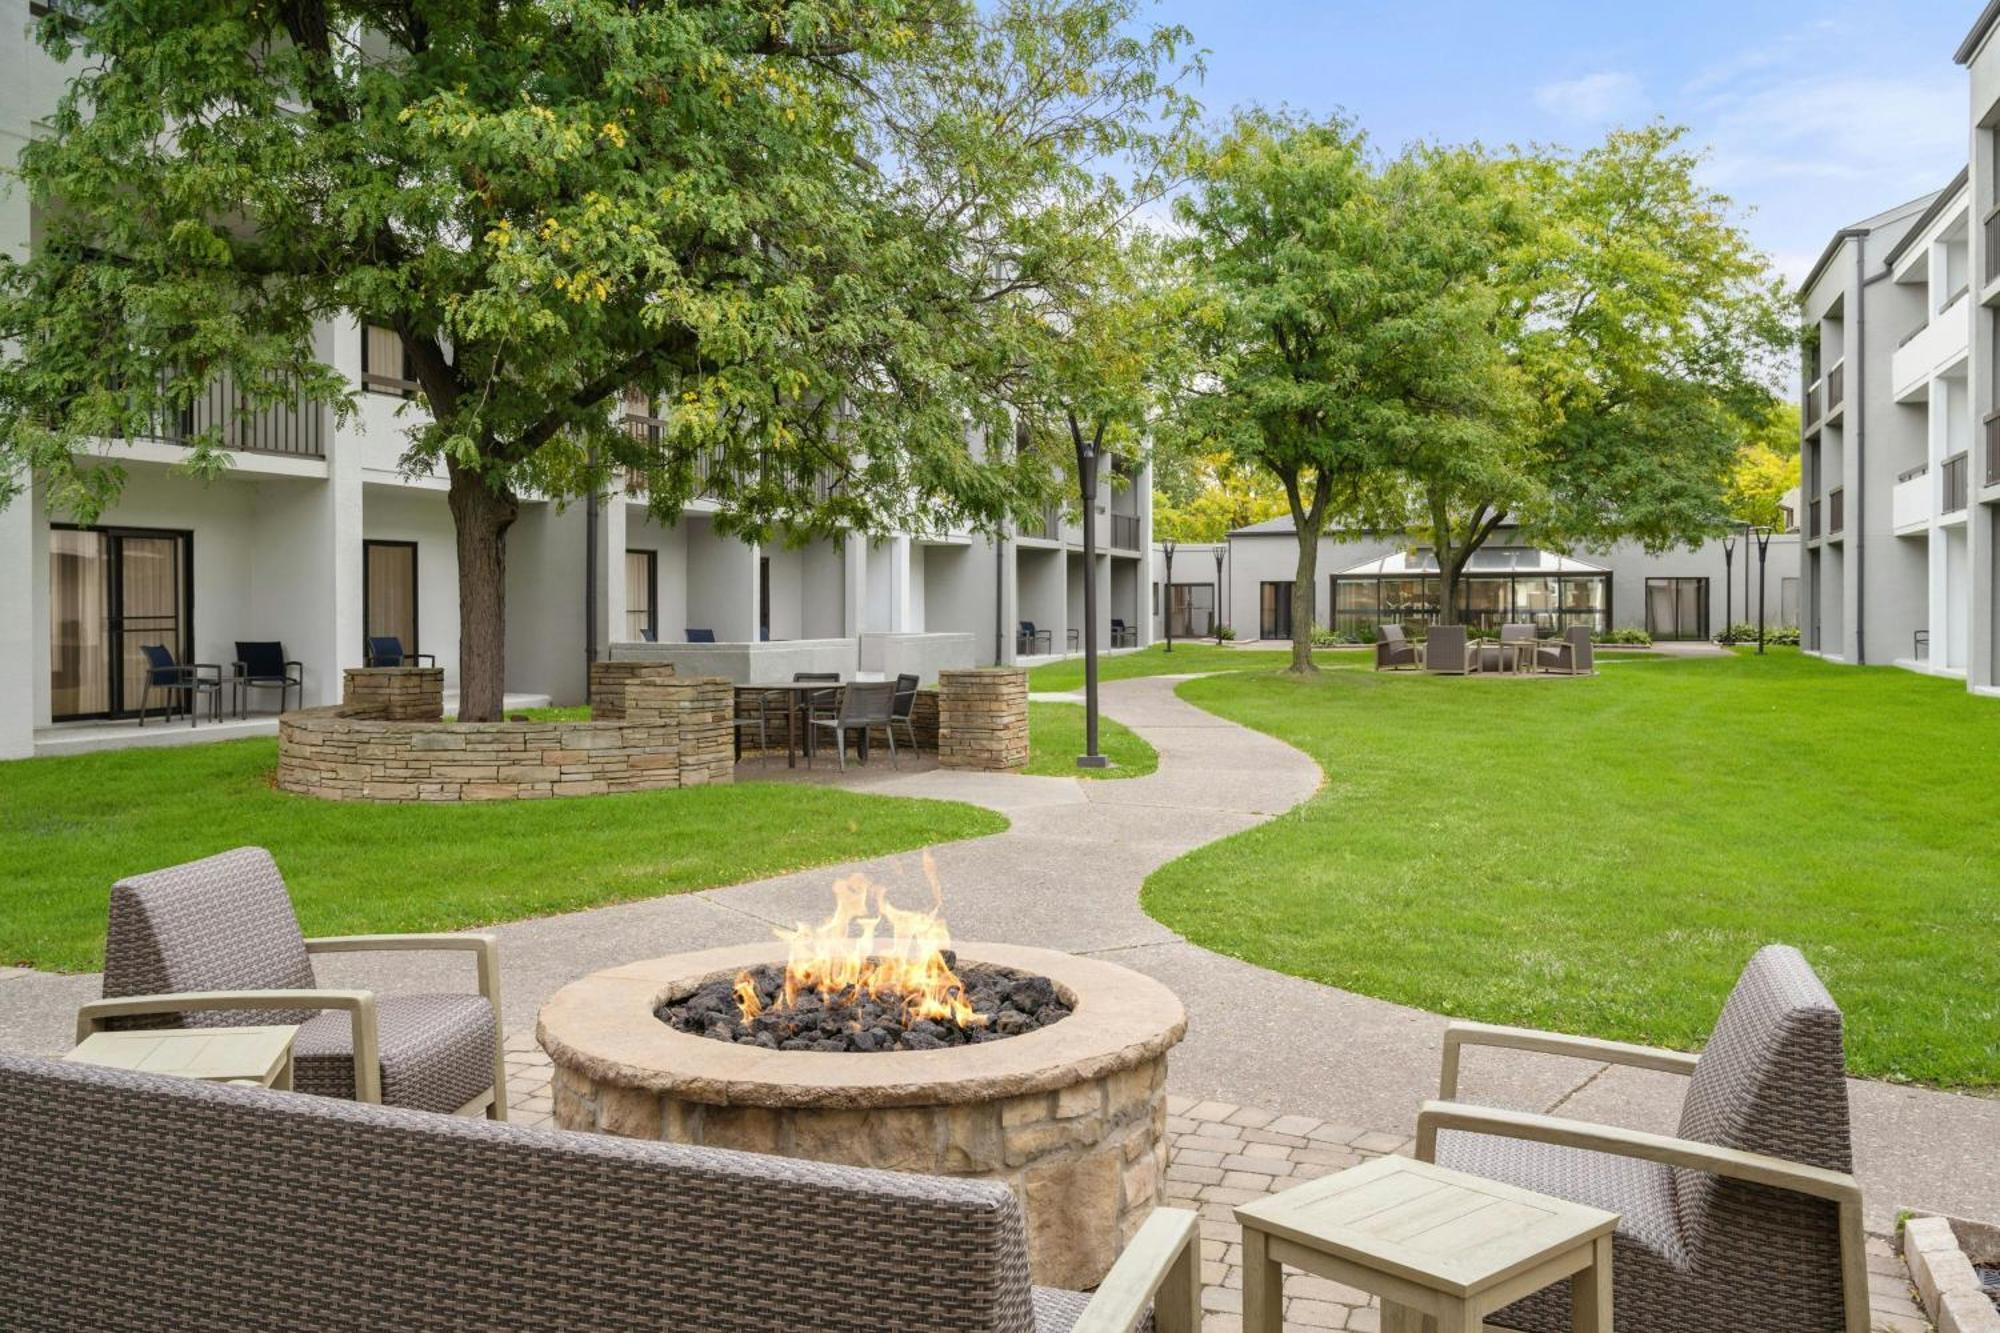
point(1067, 875)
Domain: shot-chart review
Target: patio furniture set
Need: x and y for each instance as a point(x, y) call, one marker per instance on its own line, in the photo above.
point(816, 705)
point(258, 666)
point(1030, 641)
point(1448, 650)
point(214, 1197)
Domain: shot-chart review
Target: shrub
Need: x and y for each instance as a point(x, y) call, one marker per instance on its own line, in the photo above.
point(1629, 635)
point(1742, 632)
point(1225, 633)
point(1322, 637)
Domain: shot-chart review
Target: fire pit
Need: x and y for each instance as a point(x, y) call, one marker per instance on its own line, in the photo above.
point(1048, 1071)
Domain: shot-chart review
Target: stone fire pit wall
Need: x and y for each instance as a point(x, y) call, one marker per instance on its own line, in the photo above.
point(387, 741)
point(1072, 1118)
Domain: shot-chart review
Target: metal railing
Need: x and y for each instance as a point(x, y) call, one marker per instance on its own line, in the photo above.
point(1920, 646)
point(1810, 413)
point(1836, 386)
point(1125, 532)
point(1954, 473)
point(1915, 472)
point(1992, 238)
point(1050, 528)
point(1812, 521)
point(1993, 448)
point(1963, 289)
point(1836, 509)
point(710, 464)
point(295, 428)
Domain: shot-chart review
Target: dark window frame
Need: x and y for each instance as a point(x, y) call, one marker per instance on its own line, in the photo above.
point(1548, 621)
point(652, 589)
point(373, 381)
point(415, 645)
point(1702, 600)
point(1274, 619)
point(114, 599)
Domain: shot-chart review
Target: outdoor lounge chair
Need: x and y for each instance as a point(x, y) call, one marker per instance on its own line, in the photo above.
point(1394, 650)
point(386, 650)
point(1572, 654)
point(701, 636)
point(1749, 1218)
point(184, 678)
point(153, 1202)
point(1445, 651)
point(214, 943)
point(264, 666)
point(1124, 635)
point(864, 706)
point(1029, 636)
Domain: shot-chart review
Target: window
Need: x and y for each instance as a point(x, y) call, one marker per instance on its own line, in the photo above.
point(763, 599)
point(1274, 611)
point(1191, 610)
point(642, 596)
point(385, 363)
point(1677, 608)
point(389, 592)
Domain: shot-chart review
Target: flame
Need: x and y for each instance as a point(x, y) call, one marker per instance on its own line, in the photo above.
point(844, 958)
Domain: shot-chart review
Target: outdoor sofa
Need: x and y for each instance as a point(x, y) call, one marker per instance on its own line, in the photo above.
point(144, 1202)
point(1748, 1218)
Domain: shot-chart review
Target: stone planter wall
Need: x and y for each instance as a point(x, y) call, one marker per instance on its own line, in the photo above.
point(394, 694)
point(675, 733)
point(1941, 1252)
point(983, 719)
point(607, 686)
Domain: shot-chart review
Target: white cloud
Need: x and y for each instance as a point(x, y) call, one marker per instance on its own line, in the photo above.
point(1593, 99)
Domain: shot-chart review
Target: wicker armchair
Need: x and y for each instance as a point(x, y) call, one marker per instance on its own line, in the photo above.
point(1573, 654)
point(1446, 652)
point(1394, 650)
point(214, 942)
point(1749, 1219)
point(152, 1202)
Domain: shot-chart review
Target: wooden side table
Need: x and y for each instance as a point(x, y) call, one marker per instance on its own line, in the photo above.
point(261, 1056)
point(1443, 1249)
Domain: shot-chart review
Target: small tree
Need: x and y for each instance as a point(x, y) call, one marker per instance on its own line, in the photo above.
point(1345, 322)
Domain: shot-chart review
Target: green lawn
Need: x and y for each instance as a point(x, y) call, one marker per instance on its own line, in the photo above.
point(1601, 855)
point(70, 826)
point(1055, 739)
point(1188, 657)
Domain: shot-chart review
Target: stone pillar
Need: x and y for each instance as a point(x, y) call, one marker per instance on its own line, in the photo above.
point(609, 681)
point(698, 715)
point(983, 719)
point(394, 694)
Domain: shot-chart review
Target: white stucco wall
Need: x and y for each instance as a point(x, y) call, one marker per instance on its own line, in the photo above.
point(391, 513)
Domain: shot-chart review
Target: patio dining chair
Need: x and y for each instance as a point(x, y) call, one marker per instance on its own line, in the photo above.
point(194, 681)
point(214, 943)
point(1445, 651)
point(758, 720)
point(864, 706)
point(1123, 635)
point(1748, 1218)
point(386, 650)
point(264, 666)
point(1394, 651)
point(903, 711)
point(1573, 654)
point(1029, 636)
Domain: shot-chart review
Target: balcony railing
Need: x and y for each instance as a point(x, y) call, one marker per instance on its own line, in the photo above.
point(1836, 387)
point(1836, 510)
point(709, 463)
point(1954, 475)
point(295, 428)
point(1049, 529)
point(1810, 413)
point(1913, 473)
point(1812, 521)
point(1993, 448)
point(1125, 532)
point(1992, 239)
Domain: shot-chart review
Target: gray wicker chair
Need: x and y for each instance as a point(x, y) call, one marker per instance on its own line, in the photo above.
point(1445, 651)
point(1525, 637)
point(1394, 650)
point(214, 942)
point(148, 1202)
point(1573, 654)
point(1749, 1219)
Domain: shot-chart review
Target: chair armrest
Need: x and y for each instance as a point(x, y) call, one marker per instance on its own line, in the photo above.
point(1457, 1035)
point(194, 670)
point(1835, 1187)
point(487, 947)
point(1161, 1267)
point(360, 1005)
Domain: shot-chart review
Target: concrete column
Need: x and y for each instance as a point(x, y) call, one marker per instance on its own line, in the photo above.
point(613, 598)
point(854, 585)
point(344, 506)
point(1144, 483)
point(19, 626)
point(897, 549)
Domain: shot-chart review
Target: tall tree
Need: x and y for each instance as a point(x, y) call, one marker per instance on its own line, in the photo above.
point(1766, 466)
point(1646, 327)
point(1344, 322)
point(709, 205)
point(1204, 497)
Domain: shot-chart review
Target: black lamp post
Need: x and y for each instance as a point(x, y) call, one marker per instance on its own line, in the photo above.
point(1215, 611)
point(1086, 480)
point(1729, 585)
point(1168, 547)
point(1763, 536)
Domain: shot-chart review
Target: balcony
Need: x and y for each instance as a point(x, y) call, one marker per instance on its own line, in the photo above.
point(295, 429)
point(709, 464)
point(1992, 240)
point(1125, 532)
point(1993, 448)
point(1836, 389)
point(1813, 533)
point(1836, 510)
point(1048, 530)
point(1910, 503)
point(1955, 475)
point(1809, 413)
point(1933, 349)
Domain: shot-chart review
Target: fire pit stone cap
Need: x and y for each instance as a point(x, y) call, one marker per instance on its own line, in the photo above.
point(604, 1028)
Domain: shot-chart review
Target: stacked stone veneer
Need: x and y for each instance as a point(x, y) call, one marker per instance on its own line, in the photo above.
point(673, 732)
point(983, 719)
point(607, 686)
point(1086, 1159)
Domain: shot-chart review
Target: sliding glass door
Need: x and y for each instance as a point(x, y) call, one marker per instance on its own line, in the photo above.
point(1677, 608)
point(389, 592)
point(112, 593)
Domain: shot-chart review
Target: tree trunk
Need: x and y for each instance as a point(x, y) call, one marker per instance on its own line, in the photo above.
point(481, 516)
point(1303, 587)
point(1447, 593)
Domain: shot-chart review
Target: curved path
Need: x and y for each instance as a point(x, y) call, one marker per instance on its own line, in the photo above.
point(1067, 875)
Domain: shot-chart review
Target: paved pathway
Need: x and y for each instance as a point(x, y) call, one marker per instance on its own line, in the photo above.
point(1066, 875)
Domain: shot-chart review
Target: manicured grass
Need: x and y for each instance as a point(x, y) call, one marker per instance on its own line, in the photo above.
point(1602, 855)
point(71, 826)
point(1189, 657)
point(1055, 739)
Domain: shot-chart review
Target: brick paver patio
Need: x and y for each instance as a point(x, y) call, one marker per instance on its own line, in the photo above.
point(1220, 1155)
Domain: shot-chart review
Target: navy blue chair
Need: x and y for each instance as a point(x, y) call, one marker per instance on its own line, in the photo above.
point(701, 636)
point(1123, 635)
point(648, 636)
point(1030, 636)
point(183, 678)
point(264, 666)
point(386, 650)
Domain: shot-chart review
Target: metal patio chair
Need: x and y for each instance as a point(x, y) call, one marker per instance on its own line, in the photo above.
point(1029, 636)
point(864, 706)
point(183, 678)
point(386, 650)
point(701, 636)
point(264, 666)
point(903, 711)
point(1124, 635)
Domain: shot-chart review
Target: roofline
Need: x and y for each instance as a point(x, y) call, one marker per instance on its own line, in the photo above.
point(1840, 238)
point(1937, 206)
point(1980, 27)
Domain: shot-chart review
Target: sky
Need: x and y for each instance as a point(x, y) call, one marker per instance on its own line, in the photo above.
point(1812, 116)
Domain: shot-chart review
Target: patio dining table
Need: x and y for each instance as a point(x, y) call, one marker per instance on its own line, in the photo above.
point(794, 693)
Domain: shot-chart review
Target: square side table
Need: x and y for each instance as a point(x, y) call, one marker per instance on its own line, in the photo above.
point(1442, 1249)
point(261, 1056)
